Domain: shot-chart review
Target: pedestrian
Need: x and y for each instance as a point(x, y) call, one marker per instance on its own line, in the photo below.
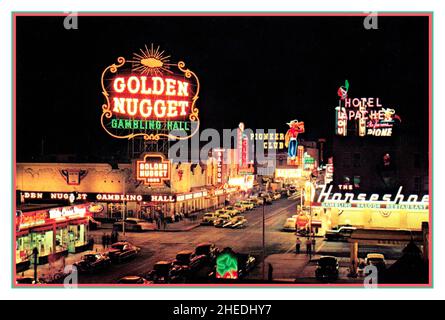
point(314, 242)
point(164, 222)
point(308, 246)
point(297, 246)
point(270, 272)
point(104, 240)
point(107, 240)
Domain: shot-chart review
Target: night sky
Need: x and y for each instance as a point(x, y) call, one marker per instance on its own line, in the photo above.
point(263, 71)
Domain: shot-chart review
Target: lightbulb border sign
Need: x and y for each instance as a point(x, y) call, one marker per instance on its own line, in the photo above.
point(152, 62)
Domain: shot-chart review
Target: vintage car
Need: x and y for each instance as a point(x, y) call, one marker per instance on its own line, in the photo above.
point(161, 272)
point(221, 220)
point(122, 251)
point(249, 204)
point(340, 234)
point(231, 211)
point(246, 262)
point(183, 258)
point(92, 262)
point(327, 268)
point(206, 248)
point(209, 218)
point(240, 208)
point(236, 222)
point(198, 270)
point(133, 280)
point(290, 224)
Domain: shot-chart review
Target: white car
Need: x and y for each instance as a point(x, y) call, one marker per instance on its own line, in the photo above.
point(289, 225)
point(375, 259)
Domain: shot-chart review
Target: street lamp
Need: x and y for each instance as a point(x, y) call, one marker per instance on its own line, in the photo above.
point(264, 239)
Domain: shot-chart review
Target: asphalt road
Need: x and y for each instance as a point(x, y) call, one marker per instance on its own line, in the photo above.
point(156, 246)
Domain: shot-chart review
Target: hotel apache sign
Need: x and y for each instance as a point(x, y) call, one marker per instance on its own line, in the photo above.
point(149, 97)
point(367, 116)
point(374, 201)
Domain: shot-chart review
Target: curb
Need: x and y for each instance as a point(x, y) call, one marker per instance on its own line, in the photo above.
point(179, 230)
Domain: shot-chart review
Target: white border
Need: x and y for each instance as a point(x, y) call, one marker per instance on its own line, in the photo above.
point(238, 293)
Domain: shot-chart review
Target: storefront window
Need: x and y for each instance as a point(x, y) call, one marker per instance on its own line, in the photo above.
point(43, 241)
point(62, 239)
point(77, 237)
point(23, 248)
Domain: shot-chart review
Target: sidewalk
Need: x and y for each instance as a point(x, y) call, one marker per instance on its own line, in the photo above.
point(286, 266)
point(45, 269)
point(182, 225)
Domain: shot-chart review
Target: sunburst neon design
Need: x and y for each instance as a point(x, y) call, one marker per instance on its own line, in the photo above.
point(151, 61)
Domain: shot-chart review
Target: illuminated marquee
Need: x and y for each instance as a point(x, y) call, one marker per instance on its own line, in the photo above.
point(149, 97)
point(375, 201)
point(366, 116)
point(219, 156)
point(153, 170)
point(273, 141)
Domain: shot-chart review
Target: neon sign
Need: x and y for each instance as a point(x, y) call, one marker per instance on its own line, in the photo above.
point(219, 155)
point(295, 128)
point(227, 266)
point(153, 170)
point(362, 200)
point(273, 141)
point(149, 97)
point(367, 116)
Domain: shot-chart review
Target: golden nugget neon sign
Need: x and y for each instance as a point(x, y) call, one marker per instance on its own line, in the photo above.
point(149, 97)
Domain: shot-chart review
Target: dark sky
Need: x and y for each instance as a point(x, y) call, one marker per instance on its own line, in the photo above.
point(263, 71)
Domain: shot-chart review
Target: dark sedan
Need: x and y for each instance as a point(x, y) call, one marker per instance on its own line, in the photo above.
point(327, 268)
point(122, 251)
point(92, 262)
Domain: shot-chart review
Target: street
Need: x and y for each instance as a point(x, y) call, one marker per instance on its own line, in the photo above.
point(156, 246)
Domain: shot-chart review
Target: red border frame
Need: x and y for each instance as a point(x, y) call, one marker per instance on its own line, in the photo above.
point(232, 14)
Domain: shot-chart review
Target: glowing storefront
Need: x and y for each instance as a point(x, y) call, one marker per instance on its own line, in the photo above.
point(52, 230)
point(388, 211)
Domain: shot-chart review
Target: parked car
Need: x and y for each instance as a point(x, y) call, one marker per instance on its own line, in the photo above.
point(199, 270)
point(209, 218)
point(236, 222)
point(160, 272)
point(240, 208)
point(340, 234)
point(221, 220)
point(134, 224)
point(276, 196)
point(259, 200)
point(289, 225)
point(122, 251)
point(183, 258)
point(92, 262)
point(134, 280)
point(221, 211)
point(327, 268)
point(231, 211)
point(377, 260)
point(267, 198)
point(26, 280)
point(291, 191)
point(248, 204)
point(246, 262)
point(206, 248)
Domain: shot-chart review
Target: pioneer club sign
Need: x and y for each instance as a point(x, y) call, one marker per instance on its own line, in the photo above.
point(149, 97)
